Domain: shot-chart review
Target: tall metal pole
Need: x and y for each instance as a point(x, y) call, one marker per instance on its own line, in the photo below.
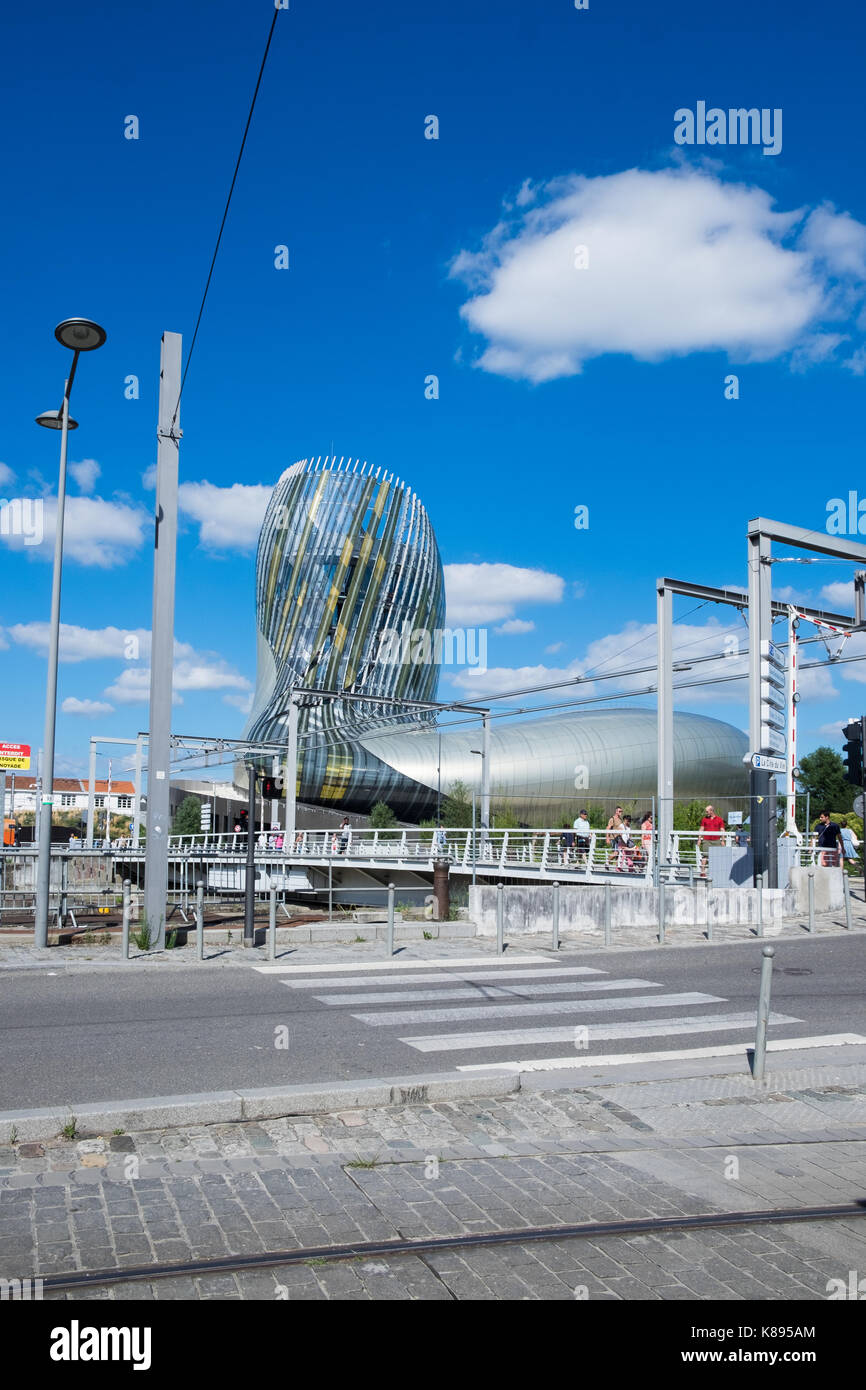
point(791, 701)
point(665, 683)
point(250, 877)
point(292, 773)
point(760, 631)
point(91, 794)
point(485, 772)
point(162, 640)
point(136, 814)
point(46, 806)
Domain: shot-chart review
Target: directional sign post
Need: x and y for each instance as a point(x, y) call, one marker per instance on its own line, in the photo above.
point(764, 762)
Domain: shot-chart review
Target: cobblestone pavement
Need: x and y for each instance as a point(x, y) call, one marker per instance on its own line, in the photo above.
point(223, 952)
point(605, 1152)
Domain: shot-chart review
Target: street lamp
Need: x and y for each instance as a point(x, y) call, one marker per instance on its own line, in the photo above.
point(79, 335)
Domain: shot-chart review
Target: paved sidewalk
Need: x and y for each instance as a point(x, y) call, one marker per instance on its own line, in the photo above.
point(606, 1151)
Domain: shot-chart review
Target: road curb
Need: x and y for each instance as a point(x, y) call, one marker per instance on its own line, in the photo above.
point(266, 1103)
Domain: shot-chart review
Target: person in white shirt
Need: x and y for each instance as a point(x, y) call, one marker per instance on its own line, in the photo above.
point(582, 833)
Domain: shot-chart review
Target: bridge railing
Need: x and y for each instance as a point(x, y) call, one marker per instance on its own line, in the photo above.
point(544, 850)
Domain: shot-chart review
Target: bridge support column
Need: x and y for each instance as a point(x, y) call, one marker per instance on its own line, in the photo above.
point(441, 889)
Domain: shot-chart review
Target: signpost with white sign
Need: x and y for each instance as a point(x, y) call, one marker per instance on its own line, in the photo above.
point(765, 762)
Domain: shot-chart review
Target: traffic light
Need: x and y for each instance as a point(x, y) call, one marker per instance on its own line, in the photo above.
point(854, 734)
point(774, 707)
point(244, 819)
point(272, 788)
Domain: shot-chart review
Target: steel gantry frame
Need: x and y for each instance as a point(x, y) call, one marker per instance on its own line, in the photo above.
point(758, 602)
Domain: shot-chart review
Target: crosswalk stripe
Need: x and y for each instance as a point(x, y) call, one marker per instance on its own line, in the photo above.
point(548, 1006)
point(684, 1054)
point(419, 996)
point(444, 973)
point(333, 968)
point(708, 1023)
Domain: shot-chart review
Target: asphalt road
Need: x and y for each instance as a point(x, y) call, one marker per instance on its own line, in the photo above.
point(70, 1038)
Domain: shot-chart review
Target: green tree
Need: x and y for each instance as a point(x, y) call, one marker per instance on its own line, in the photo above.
point(689, 816)
point(457, 805)
point(822, 774)
point(503, 816)
point(187, 818)
point(382, 817)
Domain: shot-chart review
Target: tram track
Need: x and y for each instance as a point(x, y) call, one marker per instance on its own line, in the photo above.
point(590, 1230)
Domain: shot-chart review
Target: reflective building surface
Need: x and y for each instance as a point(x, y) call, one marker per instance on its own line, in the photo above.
point(350, 597)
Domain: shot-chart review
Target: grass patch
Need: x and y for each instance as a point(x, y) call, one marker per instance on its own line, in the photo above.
point(142, 937)
point(70, 1129)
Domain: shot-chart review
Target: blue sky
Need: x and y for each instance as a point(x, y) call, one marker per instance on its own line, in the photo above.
point(558, 385)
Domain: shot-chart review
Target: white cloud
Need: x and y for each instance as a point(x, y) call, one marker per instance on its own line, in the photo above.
point(85, 707)
point(96, 533)
point(82, 643)
point(679, 262)
point(841, 595)
point(553, 648)
point(148, 478)
point(514, 626)
point(497, 680)
point(230, 518)
point(85, 473)
point(193, 671)
point(242, 702)
point(489, 593)
point(6, 475)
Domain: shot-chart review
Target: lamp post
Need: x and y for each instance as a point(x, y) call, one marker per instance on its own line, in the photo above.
point(79, 335)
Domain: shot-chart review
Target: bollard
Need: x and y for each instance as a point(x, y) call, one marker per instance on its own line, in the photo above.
point(846, 889)
point(272, 924)
point(199, 919)
point(662, 907)
point(124, 930)
point(389, 943)
point(759, 883)
point(500, 920)
point(763, 1013)
point(64, 887)
point(556, 916)
point(811, 878)
point(607, 914)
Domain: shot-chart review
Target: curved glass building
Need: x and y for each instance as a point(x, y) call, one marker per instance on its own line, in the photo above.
point(348, 578)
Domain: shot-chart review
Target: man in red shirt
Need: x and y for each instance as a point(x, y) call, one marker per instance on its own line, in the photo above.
point(712, 827)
